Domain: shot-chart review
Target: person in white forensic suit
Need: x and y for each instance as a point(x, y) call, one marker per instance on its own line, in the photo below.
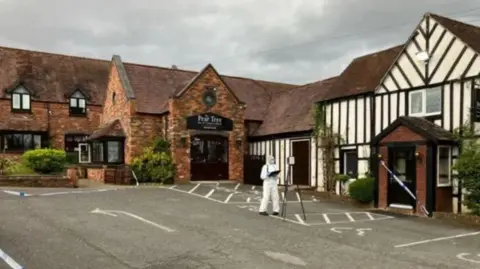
point(270, 188)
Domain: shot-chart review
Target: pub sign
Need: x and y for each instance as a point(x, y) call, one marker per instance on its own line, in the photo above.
point(209, 121)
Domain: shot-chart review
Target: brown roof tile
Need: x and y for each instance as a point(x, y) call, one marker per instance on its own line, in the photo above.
point(363, 74)
point(52, 77)
point(112, 128)
point(468, 33)
point(292, 111)
point(154, 85)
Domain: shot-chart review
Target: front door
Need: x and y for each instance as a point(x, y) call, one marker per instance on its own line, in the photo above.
point(209, 157)
point(402, 163)
point(301, 168)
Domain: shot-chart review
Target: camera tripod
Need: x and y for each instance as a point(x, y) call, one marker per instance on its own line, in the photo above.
point(284, 203)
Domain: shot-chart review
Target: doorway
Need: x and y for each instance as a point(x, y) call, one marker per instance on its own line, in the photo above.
point(402, 162)
point(209, 158)
point(301, 168)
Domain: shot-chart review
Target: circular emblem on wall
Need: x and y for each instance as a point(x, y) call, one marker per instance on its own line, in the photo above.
point(210, 97)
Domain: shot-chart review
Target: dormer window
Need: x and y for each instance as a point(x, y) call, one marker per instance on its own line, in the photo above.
point(20, 99)
point(77, 104)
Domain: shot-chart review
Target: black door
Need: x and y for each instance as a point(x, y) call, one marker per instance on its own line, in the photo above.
point(209, 157)
point(301, 152)
point(402, 163)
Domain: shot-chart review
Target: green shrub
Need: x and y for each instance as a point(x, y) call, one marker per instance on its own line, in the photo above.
point(45, 160)
point(342, 178)
point(155, 164)
point(468, 168)
point(362, 189)
point(5, 165)
point(18, 168)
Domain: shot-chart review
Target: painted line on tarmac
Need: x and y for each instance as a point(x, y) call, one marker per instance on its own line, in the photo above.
point(17, 193)
point(11, 262)
point(72, 192)
point(437, 239)
point(289, 220)
point(194, 194)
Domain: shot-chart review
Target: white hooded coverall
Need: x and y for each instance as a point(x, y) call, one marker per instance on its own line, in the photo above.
point(270, 188)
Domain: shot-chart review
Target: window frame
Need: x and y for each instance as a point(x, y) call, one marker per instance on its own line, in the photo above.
point(104, 151)
point(344, 161)
point(21, 95)
point(449, 184)
point(3, 142)
point(424, 102)
point(476, 102)
point(76, 111)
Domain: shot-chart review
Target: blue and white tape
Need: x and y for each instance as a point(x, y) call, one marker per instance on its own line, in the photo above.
point(405, 188)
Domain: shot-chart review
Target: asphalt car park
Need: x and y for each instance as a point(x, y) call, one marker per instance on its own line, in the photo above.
point(175, 227)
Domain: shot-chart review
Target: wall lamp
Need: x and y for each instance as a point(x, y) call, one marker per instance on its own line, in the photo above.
point(238, 143)
point(183, 141)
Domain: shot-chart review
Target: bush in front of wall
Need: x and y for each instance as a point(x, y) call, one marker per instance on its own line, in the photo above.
point(362, 189)
point(155, 164)
point(468, 168)
point(45, 161)
point(5, 165)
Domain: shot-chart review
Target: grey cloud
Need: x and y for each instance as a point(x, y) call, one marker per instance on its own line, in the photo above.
point(282, 40)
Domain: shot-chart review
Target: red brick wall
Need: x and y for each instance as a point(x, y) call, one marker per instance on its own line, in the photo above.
point(60, 121)
point(122, 109)
point(403, 134)
point(144, 130)
point(190, 103)
point(96, 174)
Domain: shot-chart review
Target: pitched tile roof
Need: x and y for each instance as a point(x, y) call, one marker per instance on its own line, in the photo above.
point(112, 128)
point(363, 74)
point(468, 33)
point(292, 111)
point(154, 85)
point(53, 77)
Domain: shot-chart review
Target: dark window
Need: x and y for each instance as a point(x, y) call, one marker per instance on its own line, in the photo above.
point(107, 152)
point(77, 104)
point(476, 109)
point(350, 163)
point(21, 141)
point(21, 99)
point(113, 98)
point(72, 146)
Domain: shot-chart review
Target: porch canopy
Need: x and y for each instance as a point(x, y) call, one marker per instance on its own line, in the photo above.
point(419, 152)
point(107, 143)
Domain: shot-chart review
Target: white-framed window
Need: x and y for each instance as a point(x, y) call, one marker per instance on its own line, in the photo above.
point(426, 102)
point(444, 166)
point(77, 104)
point(84, 155)
point(21, 99)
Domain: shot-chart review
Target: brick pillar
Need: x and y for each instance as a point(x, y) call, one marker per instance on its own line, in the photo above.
point(383, 179)
point(72, 176)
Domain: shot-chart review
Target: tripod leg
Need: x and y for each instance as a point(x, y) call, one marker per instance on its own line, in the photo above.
point(284, 205)
point(301, 202)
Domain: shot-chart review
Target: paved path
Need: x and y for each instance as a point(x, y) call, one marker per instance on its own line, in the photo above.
point(151, 227)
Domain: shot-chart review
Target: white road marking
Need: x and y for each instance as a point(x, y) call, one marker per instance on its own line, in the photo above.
point(335, 229)
point(236, 187)
point(228, 198)
point(195, 194)
point(436, 239)
point(194, 188)
point(253, 188)
point(314, 199)
point(299, 218)
point(109, 212)
point(350, 217)
point(289, 220)
point(210, 193)
point(461, 256)
point(327, 220)
point(298, 197)
point(369, 216)
point(172, 187)
point(361, 231)
point(73, 192)
point(248, 200)
point(17, 193)
point(286, 258)
point(11, 262)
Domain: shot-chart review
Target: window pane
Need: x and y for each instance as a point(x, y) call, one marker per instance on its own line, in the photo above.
point(434, 100)
point(443, 165)
point(416, 102)
point(81, 103)
point(73, 102)
point(351, 163)
point(37, 141)
point(113, 151)
point(97, 152)
point(27, 141)
point(26, 101)
point(16, 101)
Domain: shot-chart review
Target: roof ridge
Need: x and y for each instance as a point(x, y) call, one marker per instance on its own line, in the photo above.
point(54, 54)
point(450, 19)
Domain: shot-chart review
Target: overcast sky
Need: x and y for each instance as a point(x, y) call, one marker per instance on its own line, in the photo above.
point(295, 41)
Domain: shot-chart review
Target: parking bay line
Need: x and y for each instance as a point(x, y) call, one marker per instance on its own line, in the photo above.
point(437, 239)
point(11, 262)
